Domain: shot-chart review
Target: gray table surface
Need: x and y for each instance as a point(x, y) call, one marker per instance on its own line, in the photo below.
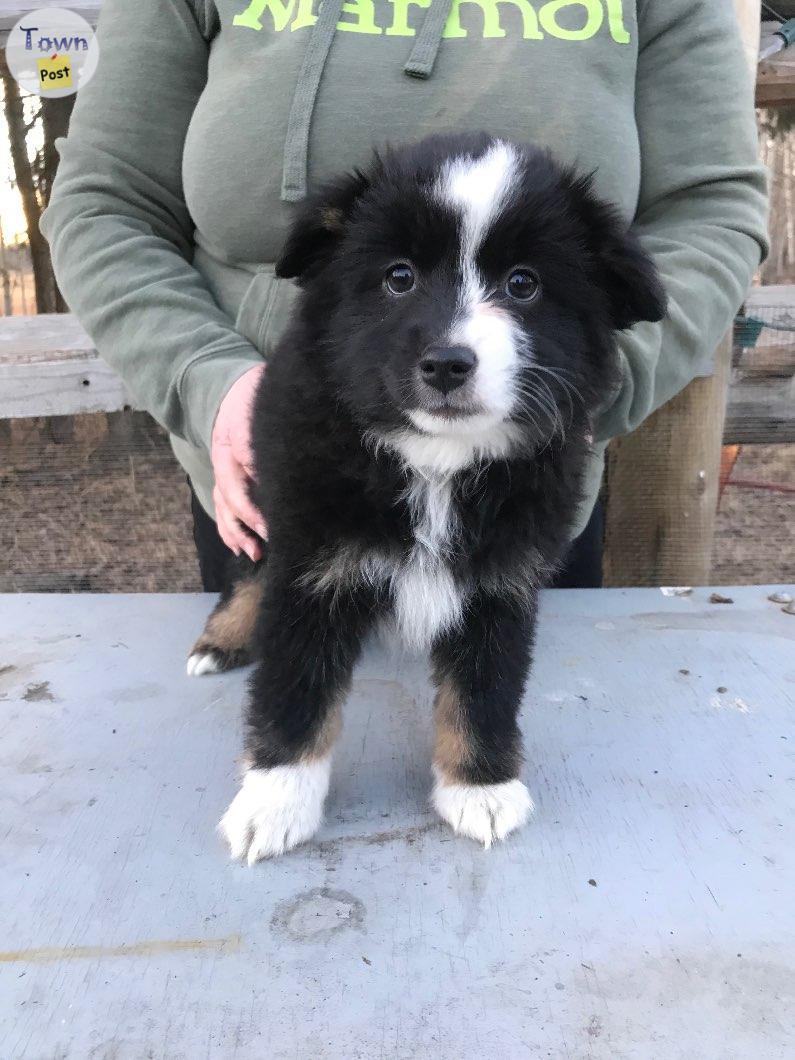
point(646, 911)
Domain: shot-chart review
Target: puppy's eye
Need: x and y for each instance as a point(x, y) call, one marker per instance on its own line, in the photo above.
point(522, 285)
point(399, 279)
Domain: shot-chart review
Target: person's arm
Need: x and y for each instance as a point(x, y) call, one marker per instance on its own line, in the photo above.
point(702, 213)
point(118, 226)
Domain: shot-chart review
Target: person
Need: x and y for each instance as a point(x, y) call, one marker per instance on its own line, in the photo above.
point(208, 120)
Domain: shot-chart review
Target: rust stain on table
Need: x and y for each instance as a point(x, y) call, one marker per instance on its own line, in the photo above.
point(148, 948)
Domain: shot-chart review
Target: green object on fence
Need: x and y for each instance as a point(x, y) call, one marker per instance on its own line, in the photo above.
point(782, 38)
point(787, 31)
point(747, 331)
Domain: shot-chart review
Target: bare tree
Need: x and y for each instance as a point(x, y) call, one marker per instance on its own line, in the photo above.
point(5, 275)
point(34, 178)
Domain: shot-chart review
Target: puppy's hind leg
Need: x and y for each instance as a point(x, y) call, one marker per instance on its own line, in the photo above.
point(228, 635)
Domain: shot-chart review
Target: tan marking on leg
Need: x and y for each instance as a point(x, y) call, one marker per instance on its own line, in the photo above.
point(231, 625)
point(327, 734)
point(453, 752)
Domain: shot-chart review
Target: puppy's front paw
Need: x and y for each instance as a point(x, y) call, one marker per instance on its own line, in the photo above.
point(484, 812)
point(276, 809)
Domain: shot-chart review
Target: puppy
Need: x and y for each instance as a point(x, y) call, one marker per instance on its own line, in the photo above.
point(420, 437)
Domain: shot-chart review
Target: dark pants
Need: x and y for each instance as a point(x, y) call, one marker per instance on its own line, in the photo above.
point(582, 568)
point(212, 552)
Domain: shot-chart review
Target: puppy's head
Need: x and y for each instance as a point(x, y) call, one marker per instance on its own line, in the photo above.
point(464, 284)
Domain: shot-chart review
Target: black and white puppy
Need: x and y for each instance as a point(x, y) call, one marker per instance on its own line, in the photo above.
point(420, 437)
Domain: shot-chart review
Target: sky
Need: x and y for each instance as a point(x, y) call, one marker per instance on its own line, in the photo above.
point(13, 220)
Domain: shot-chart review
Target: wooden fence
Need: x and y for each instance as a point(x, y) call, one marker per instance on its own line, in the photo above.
point(48, 366)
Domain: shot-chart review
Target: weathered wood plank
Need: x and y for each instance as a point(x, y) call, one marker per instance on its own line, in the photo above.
point(774, 296)
point(760, 412)
point(49, 367)
point(27, 340)
point(775, 90)
point(61, 388)
point(775, 82)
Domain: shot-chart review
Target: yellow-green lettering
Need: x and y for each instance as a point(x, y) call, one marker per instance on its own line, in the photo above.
point(364, 13)
point(251, 18)
point(594, 17)
point(362, 18)
point(615, 16)
point(530, 30)
point(400, 17)
point(491, 19)
point(303, 16)
point(452, 27)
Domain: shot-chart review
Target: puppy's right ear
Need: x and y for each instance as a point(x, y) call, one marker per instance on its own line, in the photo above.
point(319, 227)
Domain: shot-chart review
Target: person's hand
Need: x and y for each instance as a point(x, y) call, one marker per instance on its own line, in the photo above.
point(233, 463)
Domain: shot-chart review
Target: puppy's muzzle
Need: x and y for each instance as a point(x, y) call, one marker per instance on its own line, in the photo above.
point(446, 368)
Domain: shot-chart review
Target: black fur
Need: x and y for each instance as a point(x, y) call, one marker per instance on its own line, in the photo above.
point(346, 369)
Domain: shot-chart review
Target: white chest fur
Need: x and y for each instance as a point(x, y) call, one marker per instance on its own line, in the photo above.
point(427, 600)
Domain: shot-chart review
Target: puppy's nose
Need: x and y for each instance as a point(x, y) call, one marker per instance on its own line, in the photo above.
point(446, 368)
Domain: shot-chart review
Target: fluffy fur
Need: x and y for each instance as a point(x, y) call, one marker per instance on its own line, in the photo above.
point(483, 812)
point(420, 437)
point(276, 809)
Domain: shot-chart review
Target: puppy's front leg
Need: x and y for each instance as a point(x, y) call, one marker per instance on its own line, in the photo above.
point(308, 643)
point(480, 670)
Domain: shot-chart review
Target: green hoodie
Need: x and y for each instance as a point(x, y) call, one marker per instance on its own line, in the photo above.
point(206, 118)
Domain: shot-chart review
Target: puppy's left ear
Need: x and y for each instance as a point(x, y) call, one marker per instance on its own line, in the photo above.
point(618, 263)
point(319, 227)
point(629, 278)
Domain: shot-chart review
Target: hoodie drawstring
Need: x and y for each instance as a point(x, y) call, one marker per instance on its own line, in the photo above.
point(296, 145)
point(419, 64)
point(426, 46)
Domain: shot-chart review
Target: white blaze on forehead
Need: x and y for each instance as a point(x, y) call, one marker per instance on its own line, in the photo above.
point(476, 188)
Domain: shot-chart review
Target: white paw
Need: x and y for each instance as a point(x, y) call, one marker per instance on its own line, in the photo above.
point(276, 809)
point(484, 812)
point(203, 662)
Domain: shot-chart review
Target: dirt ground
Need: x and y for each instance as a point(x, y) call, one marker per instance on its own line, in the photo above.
point(93, 503)
point(98, 503)
point(755, 533)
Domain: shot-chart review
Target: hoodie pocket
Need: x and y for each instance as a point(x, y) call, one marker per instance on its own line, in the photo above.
point(266, 308)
